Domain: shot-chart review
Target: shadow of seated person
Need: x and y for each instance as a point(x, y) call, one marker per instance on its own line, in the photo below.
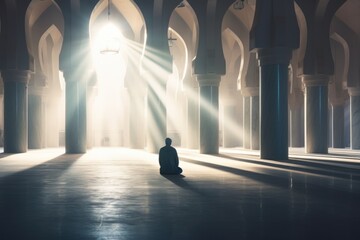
point(168, 159)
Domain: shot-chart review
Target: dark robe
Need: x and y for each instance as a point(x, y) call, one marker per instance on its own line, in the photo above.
point(169, 161)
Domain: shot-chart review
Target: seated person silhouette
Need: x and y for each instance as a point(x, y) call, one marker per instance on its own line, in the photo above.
point(168, 159)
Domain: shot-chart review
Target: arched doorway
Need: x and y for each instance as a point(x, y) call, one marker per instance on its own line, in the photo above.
point(46, 112)
point(117, 42)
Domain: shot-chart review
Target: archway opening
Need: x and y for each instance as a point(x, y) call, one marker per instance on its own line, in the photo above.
point(116, 46)
point(109, 104)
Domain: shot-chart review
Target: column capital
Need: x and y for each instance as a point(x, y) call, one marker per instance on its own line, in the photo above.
point(276, 55)
point(337, 102)
point(318, 15)
point(38, 80)
point(14, 75)
point(354, 92)
point(274, 25)
point(208, 80)
point(210, 56)
point(315, 80)
point(250, 91)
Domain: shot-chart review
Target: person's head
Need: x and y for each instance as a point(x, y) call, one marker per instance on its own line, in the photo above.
point(168, 141)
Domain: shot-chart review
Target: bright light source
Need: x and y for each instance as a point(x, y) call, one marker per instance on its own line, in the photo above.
point(107, 43)
point(108, 40)
point(109, 59)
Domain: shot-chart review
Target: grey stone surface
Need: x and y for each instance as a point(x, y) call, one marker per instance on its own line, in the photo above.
point(274, 112)
point(355, 122)
point(316, 119)
point(229, 132)
point(75, 125)
point(246, 123)
point(254, 122)
point(209, 119)
point(36, 122)
point(296, 127)
point(15, 111)
point(117, 193)
point(338, 126)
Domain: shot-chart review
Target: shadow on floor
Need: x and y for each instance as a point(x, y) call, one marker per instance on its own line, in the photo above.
point(284, 181)
point(317, 167)
point(180, 181)
point(29, 199)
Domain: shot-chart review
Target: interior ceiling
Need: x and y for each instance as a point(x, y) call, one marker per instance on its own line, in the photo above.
point(245, 15)
point(130, 12)
point(349, 13)
point(186, 15)
point(36, 8)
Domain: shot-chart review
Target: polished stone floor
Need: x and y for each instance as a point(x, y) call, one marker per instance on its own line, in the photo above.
point(117, 193)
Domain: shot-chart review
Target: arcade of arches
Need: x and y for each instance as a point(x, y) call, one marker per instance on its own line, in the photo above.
point(205, 73)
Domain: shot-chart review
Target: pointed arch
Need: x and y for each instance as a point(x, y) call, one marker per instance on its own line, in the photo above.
point(43, 18)
point(185, 23)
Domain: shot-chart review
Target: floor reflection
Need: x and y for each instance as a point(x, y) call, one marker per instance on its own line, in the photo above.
point(117, 193)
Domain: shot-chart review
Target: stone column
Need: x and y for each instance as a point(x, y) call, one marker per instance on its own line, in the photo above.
point(52, 103)
point(250, 92)
point(209, 65)
point(1, 111)
point(36, 112)
point(193, 118)
point(354, 118)
point(338, 126)
point(296, 114)
point(76, 63)
point(15, 110)
point(330, 123)
point(229, 132)
point(91, 96)
point(75, 108)
point(297, 126)
point(36, 140)
point(273, 102)
point(315, 67)
point(137, 116)
point(251, 123)
point(246, 122)
point(254, 122)
point(274, 41)
point(209, 113)
point(239, 110)
point(316, 113)
point(337, 94)
point(230, 125)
